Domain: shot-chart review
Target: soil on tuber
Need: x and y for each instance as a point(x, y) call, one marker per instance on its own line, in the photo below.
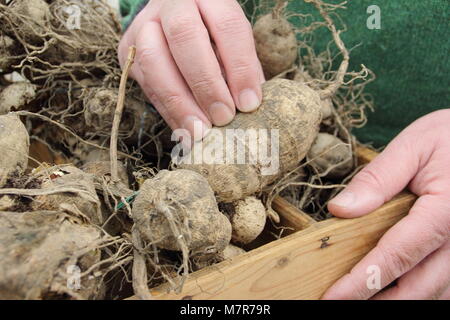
point(290, 108)
point(14, 143)
point(178, 207)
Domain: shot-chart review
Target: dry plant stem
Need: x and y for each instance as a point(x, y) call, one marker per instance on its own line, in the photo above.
point(279, 8)
point(118, 114)
point(334, 87)
point(41, 192)
point(140, 279)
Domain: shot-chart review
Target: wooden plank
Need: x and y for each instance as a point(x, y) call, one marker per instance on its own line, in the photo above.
point(291, 216)
point(365, 155)
point(300, 266)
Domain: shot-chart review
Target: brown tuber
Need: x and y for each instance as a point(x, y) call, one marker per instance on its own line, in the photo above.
point(291, 108)
point(327, 108)
point(31, 18)
point(331, 156)
point(74, 190)
point(276, 44)
point(179, 207)
point(247, 220)
point(230, 251)
point(102, 169)
point(14, 146)
point(304, 77)
point(100, 105)
point(15, 96)
point(7, 48)
point(35, 256)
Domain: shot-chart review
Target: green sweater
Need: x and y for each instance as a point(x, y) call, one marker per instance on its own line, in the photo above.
point(409, 55)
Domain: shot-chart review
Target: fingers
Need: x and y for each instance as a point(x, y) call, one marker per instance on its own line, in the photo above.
point(419, 152)
point(219, 75)
point(135, 71)
point(424, 230)
point(192, 51)
point(164, 85)
point(428, 280)
point(129, 38)
point(232, 33)
point(379, 181)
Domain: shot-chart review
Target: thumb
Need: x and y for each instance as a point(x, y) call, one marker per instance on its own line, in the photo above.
point(379, 181)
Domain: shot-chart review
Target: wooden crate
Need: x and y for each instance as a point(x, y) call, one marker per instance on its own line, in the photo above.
point(302, 265)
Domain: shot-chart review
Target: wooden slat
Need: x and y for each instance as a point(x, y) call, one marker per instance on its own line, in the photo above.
point(300, 266)
point(291, 216)
point(365, 155)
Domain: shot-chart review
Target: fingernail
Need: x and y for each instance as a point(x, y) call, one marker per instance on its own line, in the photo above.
point(344, 199)
point(220, 114)
point(249, 100)
point(197, 128)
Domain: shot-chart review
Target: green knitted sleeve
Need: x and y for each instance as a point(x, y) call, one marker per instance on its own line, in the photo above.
point(129, 9)
point(409, 55)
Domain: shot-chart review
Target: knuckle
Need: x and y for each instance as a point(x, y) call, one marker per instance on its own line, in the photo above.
point(152, 96)
point(358, 290)
point(397, 261)
point(234, 24)
point(146, 55)
point(439, 230)
point(242, 68)
point(370, 178)
point(182, 29)
point(435, 224)
point(171, 102)
point(203, 84)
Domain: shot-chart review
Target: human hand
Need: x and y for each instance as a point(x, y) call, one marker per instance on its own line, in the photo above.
point(415, 251)
point(196, 61)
